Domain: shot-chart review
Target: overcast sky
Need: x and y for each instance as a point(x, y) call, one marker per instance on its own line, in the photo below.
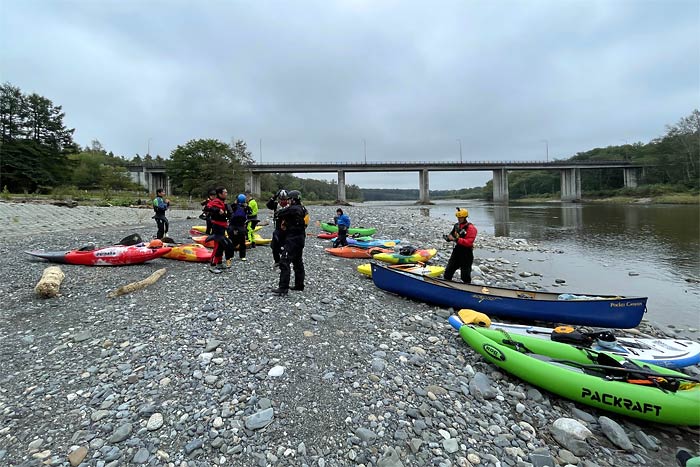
point(313, 79)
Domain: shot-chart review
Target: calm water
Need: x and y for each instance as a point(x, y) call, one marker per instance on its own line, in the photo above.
point(602, 245)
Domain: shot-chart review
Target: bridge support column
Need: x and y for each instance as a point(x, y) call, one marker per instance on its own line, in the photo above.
point(341, 186)
point(571, 185)
point(630, 176)
point(424, 186)
point(500, 186)
point(252, 184)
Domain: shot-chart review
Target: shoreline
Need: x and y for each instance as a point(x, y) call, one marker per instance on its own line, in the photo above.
point(367, 378)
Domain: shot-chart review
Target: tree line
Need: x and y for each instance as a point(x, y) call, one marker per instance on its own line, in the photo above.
point(38, 155)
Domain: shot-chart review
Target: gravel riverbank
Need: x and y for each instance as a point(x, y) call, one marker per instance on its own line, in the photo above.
point(202, 369)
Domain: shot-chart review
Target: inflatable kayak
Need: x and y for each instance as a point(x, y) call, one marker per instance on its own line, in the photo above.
point(669, 353)
point(193, 252)
point(351, 231)
point(419, 256)
point(598, 379)
point(108, 256)
point(421, 270)
point(354, 252)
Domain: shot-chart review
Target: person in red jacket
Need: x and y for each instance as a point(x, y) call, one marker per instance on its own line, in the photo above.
point(219, 212)
point(463, 233)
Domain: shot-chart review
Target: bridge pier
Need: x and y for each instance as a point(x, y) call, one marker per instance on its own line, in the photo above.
point(252, 184)
point(424, 186)
point(500, 186)
point(630, 176)
point(341, 187)
point(571, 184)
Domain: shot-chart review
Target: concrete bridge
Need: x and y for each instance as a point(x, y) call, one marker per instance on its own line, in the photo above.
point(150, 176)
point(570, 172)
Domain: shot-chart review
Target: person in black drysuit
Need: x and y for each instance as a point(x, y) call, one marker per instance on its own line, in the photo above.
point(278, 233)
point(292, 223)
point(206, 215)
point(463, 234)
point(237, 225)
point(160, 205)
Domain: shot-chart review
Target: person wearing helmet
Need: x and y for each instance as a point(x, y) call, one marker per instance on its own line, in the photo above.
point(252, 218)
point(237, 225)
point(342, 220)
point(160, 205)
point(292, 223)
point(220, 213)
point(463, 233)
point(206, 215)
point(280, 199)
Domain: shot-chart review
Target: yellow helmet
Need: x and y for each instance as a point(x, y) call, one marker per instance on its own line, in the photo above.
point(461, 212)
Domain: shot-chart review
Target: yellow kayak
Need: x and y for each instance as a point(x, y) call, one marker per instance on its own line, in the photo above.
point(261, 241)
point(420, 256)
point(203, 228)
point(419, 269)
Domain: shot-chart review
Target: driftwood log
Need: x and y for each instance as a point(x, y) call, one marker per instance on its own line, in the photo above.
point(128, 288)
point(50, 282)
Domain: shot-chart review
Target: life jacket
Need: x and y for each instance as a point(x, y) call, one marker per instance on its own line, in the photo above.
point(213, 207)
point(238, 216)
point(158, 208)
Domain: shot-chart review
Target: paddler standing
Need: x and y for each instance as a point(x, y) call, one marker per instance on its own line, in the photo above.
point(463, 233)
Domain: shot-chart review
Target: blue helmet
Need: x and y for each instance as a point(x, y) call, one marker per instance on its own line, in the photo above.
point(241, 198)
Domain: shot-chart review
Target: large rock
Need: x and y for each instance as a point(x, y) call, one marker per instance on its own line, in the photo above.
point(571, 434)
point(480, 387)
point(615, 433)
point(259, 419)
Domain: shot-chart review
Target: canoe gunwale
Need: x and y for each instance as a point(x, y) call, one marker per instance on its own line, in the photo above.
point(618, 312)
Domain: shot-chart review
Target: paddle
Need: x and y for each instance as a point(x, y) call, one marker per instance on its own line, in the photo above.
point(130, 240)
point(636, 371)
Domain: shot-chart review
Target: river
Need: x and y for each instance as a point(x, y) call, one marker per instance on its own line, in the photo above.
point(627, 249)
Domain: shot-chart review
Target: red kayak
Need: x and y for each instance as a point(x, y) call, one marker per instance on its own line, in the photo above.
point(327, 235)
point(108, 256)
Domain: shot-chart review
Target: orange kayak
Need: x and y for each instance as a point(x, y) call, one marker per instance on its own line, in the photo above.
point(193, 252)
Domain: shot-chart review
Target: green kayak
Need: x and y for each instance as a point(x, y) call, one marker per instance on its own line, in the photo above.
point(351, 231)
point(599, 379)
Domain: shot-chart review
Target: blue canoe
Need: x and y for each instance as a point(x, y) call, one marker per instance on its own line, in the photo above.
point(603, 311)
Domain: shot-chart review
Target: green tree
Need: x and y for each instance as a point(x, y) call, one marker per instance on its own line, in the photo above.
point(35, 143)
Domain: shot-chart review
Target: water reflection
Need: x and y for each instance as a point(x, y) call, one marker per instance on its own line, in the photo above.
point(572, 216)
point(501, 221)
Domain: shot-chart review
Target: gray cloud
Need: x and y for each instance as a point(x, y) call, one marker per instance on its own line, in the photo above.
point(315, 79)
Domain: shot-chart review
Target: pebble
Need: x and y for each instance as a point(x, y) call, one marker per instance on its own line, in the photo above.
point(155, 421)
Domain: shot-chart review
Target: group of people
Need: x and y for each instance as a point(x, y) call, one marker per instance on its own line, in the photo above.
point(231, 225)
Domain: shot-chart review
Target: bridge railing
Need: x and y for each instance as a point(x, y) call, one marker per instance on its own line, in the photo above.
point(415, 163)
